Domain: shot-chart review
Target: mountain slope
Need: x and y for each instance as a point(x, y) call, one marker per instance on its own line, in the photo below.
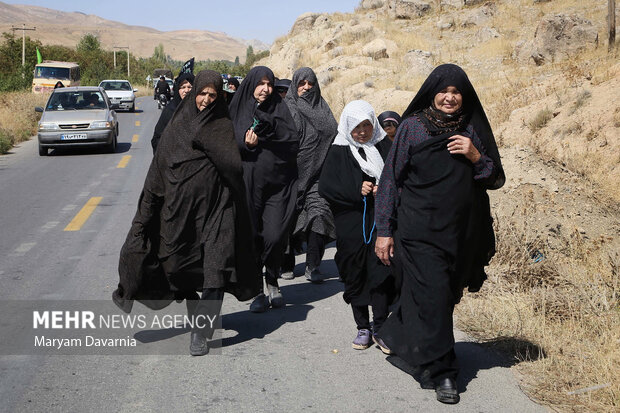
point(66, 28)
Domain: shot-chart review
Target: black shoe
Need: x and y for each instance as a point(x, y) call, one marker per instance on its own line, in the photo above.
point(260, 304)
point(314, 276)
point(275, 296)
point(198, 344)
point(447, 392)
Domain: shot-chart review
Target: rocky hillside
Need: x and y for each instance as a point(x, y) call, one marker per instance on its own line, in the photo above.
point(63, 28)
point(523, 56)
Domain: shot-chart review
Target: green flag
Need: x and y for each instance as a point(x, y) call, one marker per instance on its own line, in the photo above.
point(39, 58)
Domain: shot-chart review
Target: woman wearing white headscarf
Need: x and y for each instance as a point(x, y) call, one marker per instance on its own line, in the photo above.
point(349, 180)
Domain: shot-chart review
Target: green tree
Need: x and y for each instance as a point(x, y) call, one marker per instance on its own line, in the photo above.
point(249, 54)
point(159, 55)
point(89, 43)
point(14, 76)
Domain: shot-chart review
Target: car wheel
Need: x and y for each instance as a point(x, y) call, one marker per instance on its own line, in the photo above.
point(42, 150)
point(112, 146)
point(133, 107)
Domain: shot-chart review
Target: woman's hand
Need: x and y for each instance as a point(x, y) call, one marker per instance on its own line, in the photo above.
point(374, 190)
point(251, 138)
point(366, 187)
point(462, 145)
point(384, 248)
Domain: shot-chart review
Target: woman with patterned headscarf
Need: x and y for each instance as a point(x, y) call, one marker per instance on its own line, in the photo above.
point(316, 128)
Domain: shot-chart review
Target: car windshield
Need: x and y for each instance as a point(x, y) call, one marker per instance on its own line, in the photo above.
point(75, 101)
point(115, 85)
point(42, 72)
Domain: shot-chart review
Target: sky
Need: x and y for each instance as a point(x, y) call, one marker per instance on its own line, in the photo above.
point(249, 19)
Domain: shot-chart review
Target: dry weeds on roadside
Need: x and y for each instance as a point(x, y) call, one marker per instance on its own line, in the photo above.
point(554, 305)
point(18, 120)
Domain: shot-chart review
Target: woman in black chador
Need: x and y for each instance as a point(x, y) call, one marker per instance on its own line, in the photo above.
point(349, 180)
point(317, 128)
point(268, 142)
point(182, 87)
point(192, 229)
point(433, 213)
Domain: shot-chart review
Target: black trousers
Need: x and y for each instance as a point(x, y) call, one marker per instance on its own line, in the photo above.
point(206, 309)
point(314, 252)
point(379, 301)
point(443, 367)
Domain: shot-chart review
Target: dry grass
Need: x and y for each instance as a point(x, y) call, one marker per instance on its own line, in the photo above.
point(18, 119)
point(539, 120)
point(566, 308)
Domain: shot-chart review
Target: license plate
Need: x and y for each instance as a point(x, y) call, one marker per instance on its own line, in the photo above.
point(73, 136)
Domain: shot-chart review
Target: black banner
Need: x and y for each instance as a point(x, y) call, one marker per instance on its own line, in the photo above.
point(188, 67)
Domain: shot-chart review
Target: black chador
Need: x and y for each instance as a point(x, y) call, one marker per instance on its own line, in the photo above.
point(433, 203)
point(269, 169)
point(349, 163)
point(192, 229)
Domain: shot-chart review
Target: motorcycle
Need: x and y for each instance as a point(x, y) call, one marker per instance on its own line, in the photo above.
point(162, 101)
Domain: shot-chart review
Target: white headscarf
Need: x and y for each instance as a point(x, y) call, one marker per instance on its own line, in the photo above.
point(352, 115)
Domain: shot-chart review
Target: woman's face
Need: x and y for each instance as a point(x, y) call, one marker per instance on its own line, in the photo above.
point(362, 132)
point(184, 89)
point(205, 97)
point(303, 86)
point(449, 100)
point(263, 90)
point(390, 128)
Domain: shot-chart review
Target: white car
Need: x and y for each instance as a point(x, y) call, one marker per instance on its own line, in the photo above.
point(120, 93)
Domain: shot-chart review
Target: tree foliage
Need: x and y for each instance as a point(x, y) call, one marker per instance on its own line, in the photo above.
point(159, 54)
point(97, 64)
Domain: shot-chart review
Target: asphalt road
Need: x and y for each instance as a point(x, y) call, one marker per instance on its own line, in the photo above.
point(297, 358)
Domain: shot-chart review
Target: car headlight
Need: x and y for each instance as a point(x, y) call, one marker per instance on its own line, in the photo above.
point(100, 124)
point(48, 126)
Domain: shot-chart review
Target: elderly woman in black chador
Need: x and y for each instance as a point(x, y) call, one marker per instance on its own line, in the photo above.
point(432, 203)
point(182, 87)
point(349, 179)
point(316, 127)
point(192, 229)
point(267, 139)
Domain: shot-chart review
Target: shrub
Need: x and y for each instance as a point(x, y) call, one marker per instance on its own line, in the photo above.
point(540, 120)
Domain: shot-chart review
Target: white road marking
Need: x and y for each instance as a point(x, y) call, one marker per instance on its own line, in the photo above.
point(84, 194)
point(49, 225)
point(69, 208)
point(24, 248)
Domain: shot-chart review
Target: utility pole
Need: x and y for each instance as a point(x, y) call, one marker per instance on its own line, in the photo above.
point(611, 23)
point(23, 29)
point(122, 47)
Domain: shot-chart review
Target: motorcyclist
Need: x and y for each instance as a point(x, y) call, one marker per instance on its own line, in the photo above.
point(162, 88)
